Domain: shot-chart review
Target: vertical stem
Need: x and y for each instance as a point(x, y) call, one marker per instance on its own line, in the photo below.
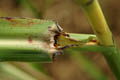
point(98, 23)
point(113, 59)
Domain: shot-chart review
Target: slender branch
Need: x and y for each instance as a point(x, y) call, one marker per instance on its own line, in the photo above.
point(98, 23)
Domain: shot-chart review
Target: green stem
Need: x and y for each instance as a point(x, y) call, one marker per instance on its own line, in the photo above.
point(24, 39)
point(113, 59)
point(98, 23)
point(29, 39)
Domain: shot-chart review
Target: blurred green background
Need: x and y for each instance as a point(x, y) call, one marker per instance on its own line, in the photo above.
point(72, 19)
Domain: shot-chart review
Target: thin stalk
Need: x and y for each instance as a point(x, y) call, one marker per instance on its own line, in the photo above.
point(98, 23)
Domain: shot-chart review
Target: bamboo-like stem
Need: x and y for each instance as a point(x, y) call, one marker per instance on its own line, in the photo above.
point(29, 39)
point(98, 23)
point(24, 39)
